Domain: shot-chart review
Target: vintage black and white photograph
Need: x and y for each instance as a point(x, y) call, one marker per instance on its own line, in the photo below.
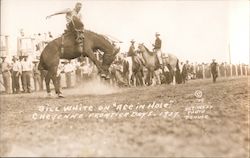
point(125, 78)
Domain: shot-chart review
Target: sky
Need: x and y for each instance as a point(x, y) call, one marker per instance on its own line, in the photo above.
point(197, 31)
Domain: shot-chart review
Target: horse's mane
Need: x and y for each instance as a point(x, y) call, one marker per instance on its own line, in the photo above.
point(99, 35)
point(147, 48)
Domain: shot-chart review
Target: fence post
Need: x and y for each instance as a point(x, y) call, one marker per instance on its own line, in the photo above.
point(231, 70)
point(248, 68)
point(218, 69)
point(245, 70)
point(236, 69)
point(203, 71)
point(241, 71)
point(225, 70)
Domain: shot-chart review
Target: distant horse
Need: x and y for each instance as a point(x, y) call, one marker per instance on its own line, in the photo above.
point(134, 70)
point(75, 43)
point(152, 62)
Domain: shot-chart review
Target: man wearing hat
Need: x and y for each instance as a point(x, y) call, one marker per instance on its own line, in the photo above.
point(16, 73)
point(214, 71)
point(5, 68)
point(27, 68)
point(157, 47)
point(131, 51)
point(37, 76)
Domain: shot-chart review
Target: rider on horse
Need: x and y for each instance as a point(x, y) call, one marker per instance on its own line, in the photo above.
point(70, 13)
point(157, 47)
point(132, 53)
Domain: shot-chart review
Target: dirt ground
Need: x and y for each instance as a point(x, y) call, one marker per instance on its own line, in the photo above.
point(219, 129)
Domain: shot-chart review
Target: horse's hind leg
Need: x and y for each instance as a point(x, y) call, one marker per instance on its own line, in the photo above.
point(47, 81)
point(56, 81)
point(174, 77)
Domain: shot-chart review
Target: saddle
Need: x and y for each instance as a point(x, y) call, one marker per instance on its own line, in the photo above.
point(152, 53)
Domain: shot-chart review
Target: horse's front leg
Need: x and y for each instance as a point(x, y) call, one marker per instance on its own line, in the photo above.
point(47, 81)
point(153, 79)
point(130, 73)
point(174, 79)
point(92, 57)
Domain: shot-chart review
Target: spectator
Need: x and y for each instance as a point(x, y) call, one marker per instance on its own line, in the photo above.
point(16, 73)
point(78, 72)
point(5, 68)
point(68, 69)
point(214, 70)
point(26, 74)
point(86, 71)
point(37, 76)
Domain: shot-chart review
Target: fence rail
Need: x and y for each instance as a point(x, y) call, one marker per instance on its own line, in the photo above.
point(229, 70)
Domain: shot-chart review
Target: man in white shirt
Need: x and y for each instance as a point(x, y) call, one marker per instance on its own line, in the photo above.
point(86, 71)
point(68, 69)
point(5, 69)
point(27, 68)
point(37, 76)
point(78, 72)
point(16, 73)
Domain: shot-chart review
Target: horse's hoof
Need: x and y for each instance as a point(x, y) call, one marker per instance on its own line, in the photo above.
point(49, 95)
point(60, 96)
point(107, 77)
point(103, 76)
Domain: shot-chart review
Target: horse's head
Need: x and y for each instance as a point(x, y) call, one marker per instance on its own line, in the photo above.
point(141, 47)
point(109, 57)
point(78, 29)
point(116, 50)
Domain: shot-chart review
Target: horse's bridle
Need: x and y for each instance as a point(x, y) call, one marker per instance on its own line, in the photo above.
point(79, 34)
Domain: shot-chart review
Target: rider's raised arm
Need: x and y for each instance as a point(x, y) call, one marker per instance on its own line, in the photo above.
point(61, 12)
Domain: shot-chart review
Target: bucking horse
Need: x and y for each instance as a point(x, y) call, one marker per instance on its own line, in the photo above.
point(74, 43)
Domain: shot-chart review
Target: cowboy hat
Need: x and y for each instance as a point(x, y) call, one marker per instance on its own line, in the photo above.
point(15, 57)
point(157, 34)
point(132, 41)
point(35, 61)
point(24, 55)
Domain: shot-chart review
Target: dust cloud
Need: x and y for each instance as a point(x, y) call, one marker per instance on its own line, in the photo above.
point(95, 86)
